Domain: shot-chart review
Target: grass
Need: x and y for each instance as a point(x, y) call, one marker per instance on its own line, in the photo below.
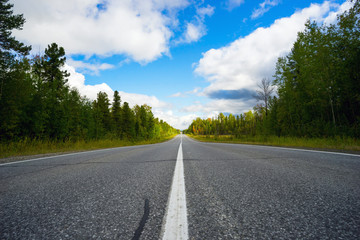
point(336, 143)
point(28, 147)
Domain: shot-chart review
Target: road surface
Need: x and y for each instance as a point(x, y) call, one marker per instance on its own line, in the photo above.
point(232, 192)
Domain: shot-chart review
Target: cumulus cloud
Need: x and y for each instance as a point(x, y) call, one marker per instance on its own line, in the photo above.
point(161, 109)
point(263, 8)
point(77, 80)
point(140, 99)
point(244, 62)
point(138, 29)
point(179, 122)
point(231, 4)
point(185, 94)
point(93, 69)
point(196, 28)
point(332, 16)
point(243, 94)
point(193, 32)
point(214, 107)
point(178, 94)
point(233, 71)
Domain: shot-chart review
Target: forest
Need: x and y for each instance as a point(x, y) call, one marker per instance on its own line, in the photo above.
point(314, 93)
point(36, 102)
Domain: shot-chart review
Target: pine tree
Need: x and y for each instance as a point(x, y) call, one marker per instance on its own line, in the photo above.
point(116, 114)
point(9, 46)
point(15, 84)
point(54, 80)
point(128, 121)
point(102, 115)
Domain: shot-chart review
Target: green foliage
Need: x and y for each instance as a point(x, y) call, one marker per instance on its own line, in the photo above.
point(319, 83)
point(248, 123)
point(38, 104)
point(338, 143)
point(128, 121)
point(38, 107)
point(13, 73)
point(28, 146)
point(116, 114)
point(9, 46)
point(318, 89)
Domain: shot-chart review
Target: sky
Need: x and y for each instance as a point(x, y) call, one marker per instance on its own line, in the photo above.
point(184, 58)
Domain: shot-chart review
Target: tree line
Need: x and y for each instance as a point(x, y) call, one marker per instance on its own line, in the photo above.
point(37, 103)
point(317, 88)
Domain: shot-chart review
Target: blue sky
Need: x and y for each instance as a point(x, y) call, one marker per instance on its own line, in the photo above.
point(184, 58)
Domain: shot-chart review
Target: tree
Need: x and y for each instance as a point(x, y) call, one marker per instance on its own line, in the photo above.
point(15, 83)
point(102, 114)
point(72, 111)
point(128, 121)
point(264, 94)
point(54, 80)
point(17, 95)
point(116, 114)
point(9, 46)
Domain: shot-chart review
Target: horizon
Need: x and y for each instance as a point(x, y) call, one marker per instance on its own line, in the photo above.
point(185, 59)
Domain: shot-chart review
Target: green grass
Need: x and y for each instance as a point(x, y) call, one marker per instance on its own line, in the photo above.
point(34, 147)
point(336, 143)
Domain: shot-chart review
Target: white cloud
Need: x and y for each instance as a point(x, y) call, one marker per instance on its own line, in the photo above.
point(140, 99)
point(179, 122)
point(77, 80)
point(205, 11)
point(244, 62)
point(93, 69)
point(178, 94)
point(184, 94)
point(193, 32)
point(214, 107)
point(231, 4)
point(196, 28)
point(161, 110)
point(138, 29)
point(332, 16)
point(263, 8)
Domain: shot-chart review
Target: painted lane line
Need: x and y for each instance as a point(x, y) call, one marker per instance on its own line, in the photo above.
point(67, 155)
point(282, 148)
point(175, 226)
point(315, 151)
point(71, 154)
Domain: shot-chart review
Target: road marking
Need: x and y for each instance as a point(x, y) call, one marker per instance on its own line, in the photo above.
point(72, 154)
point(175, 226)
point(283, 148)
point(315, 151)
point(69, 154)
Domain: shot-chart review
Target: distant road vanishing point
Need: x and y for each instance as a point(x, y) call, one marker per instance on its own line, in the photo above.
point(182, 189)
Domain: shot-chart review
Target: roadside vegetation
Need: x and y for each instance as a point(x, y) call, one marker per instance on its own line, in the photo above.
point(26, 147)
point(39, 113)
point(335, 143)
point(314, 99)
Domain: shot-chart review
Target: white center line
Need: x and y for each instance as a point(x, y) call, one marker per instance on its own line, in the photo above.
point(175, 226)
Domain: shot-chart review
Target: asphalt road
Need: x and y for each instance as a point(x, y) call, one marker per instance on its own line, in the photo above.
point(232, 192)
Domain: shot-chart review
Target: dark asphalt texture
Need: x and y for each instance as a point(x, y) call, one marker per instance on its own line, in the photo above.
point(233, 192)
point(96, 195)
point(255, 192)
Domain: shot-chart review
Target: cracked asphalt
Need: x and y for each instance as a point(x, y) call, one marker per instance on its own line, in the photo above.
point(233, 192)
